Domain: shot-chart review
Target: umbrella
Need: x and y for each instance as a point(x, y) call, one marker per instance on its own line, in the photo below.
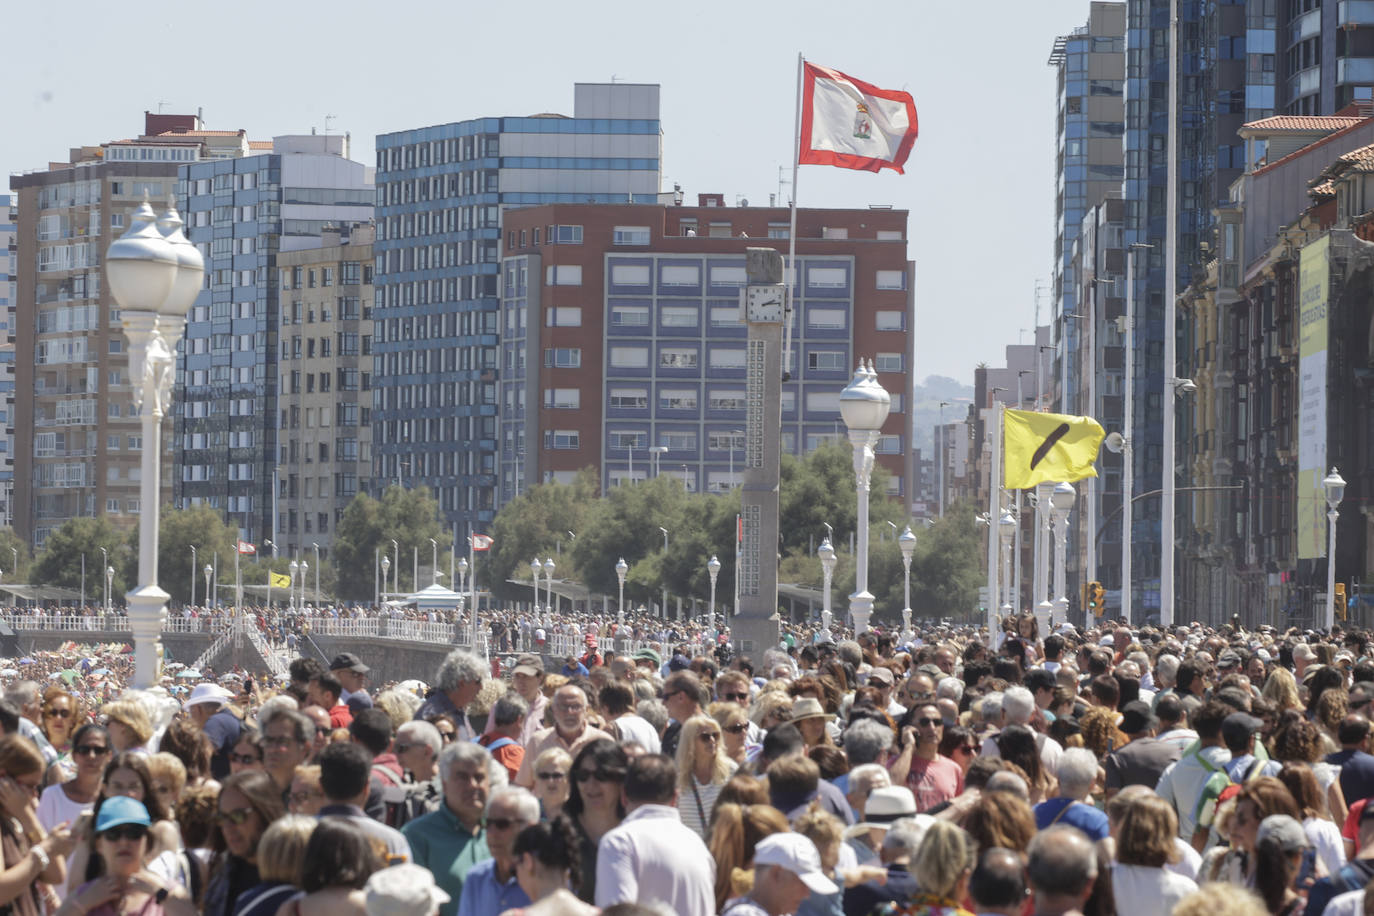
point(68, 675)
point(26, 661)
point(189, 674)
point(100, 671)
point(9, 672)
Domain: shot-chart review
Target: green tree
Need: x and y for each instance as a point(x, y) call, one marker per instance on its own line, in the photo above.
point(535, 524)
point(15, 556)
point(410, 517)
point(625, 523)
point(60, 561)
point(201, 527)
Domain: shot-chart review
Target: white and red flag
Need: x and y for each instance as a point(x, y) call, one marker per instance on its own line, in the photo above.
point(245, 547)
point(851, 124)
point(481, 542)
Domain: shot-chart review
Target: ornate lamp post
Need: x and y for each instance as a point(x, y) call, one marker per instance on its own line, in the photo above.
point(621, 567)
point(154, 274)
point(713, 569)
point(864, 405)
point(907, 542)
point(1334, 485)
point(548, 574)
point(317, 571)
point(109, 578)
point(1007, 529)
point(193, 577)
point(462, 575)
point(305, 567)
point(208, 570)
point(386, 568)
point(827, 555)
point(434, 551)
point(295, 568)
point(104, 561)
point(536, 570)
point(1061, 502)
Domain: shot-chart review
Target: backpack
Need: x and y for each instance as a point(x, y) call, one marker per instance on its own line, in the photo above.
point(1221, 788)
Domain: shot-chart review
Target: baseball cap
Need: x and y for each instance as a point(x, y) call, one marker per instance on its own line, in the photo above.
point(349, 661)
point(403, 890)
point(121, 809)
point(1238, 726)
point(207, 693)
point(1285, 830)
point(1228, 659)
point(529, 664)
point(649, 655)
point(1136, 717)
point(881, 675)
point(798, 855)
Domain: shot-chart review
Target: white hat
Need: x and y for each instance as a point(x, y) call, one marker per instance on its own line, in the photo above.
point(403, 890)
point(884, 805)
point(208, 693)
point(798, 855)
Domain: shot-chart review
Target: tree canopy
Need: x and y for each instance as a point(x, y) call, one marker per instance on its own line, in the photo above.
point(410, 517)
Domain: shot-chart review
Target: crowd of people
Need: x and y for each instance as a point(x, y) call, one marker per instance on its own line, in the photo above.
point(1118, 770)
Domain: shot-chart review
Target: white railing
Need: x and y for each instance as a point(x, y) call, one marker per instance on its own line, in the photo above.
point(213, 651)
point(269, 655)
point(64, 623)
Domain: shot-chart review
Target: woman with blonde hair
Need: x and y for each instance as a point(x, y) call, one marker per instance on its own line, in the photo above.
point(735, 832)
point(702, 769)
point(942, 866)
point(771, 709)
point(61, 718)
point(1144, 837)
point(129, 726)
point(1281, 689)
point(280, 852)
point(734, 728)
point(552, 783)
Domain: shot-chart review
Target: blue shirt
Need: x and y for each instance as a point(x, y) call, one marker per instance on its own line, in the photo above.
point(484, 894)
point(1075, 814)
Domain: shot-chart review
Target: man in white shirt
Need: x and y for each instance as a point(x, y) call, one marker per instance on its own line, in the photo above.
point(652, 856)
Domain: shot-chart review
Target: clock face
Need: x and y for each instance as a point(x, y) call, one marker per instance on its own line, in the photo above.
point(764, 303)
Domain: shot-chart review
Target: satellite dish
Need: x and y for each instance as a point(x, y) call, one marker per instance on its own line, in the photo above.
point(1115, 442)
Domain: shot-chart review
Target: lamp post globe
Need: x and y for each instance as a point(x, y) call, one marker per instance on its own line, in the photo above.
point(713, 570)
point(864, 406)
point(1334, 487)
point(1006, 529)
point(907, 542)
point(305, 568)
point(208, 570)
point(536, 570)
point(827, 555)
point(621, 567)
point(548, 579)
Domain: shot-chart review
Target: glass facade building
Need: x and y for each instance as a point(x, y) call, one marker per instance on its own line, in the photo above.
point(441, 192)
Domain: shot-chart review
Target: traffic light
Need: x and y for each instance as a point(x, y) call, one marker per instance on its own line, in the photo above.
point(1096, 594)
point(1340, 601)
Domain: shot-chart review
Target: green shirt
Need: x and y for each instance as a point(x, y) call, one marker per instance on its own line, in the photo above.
point(440, 843)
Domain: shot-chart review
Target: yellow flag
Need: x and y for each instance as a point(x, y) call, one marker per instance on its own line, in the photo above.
point(278, 580)
point(1048, 446)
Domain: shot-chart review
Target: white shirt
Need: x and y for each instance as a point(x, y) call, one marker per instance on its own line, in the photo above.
point(54, 807)
point(1189, 860)
point(631, 727)
point(1144, 891)
point(1351, 903)
point(653, 856)
point(1325, 837)
point(1181, 785)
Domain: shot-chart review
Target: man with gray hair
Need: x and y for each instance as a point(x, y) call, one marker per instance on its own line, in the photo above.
point(491, 888)
point(1077, 774)
point(502, 739)
point(898, 849)
point(457, 683)
point(27, 699)
point(1018, 708)
point(863, 779)
point(1061, 868)
point(417, 749)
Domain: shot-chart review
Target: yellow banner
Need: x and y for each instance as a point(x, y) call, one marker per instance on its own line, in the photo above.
point(1048, 446)
point(277, 580)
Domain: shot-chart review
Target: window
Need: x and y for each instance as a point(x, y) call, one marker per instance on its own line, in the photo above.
point(826, 360)
point(564, 235)
point(629, 398)
point(678, 440)
point(725, 442)
point(563, 358)
point(628, 439)
point(629, 316)
point(825, 319)
point(563, 398)
point(888, 362)
point(678, 316)
point(681, 275)
point(629, 274)
point(727, 358)
point(891, 279)
point(630, 235)
point(834, 232)
point(629, 357)
point(826, 277)
point(726, 399)
point(677, 358)
point(564, 275)
point(564, 317)
point(729, 276)
point(888, 445)
point(562, 439)
point(725, 316)
point(677, 398)
point(823, 401)
point(890, 321)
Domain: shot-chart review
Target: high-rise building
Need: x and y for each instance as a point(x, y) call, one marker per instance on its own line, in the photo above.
point(1090, 65)
point(242, 213)
point(10, 246)
point(441, 192)
point(324, 414)
point(1325, 56)
point(77, 439)
point(622, 347)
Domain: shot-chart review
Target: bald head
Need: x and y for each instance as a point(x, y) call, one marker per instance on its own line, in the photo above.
point(998, 882)
point(1061, 866)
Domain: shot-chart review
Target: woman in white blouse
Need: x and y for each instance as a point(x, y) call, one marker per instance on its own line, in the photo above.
point(703, 769)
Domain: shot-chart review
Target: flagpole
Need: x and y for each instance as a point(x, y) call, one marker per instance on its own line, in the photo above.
point(995, 479)
point(792, 226)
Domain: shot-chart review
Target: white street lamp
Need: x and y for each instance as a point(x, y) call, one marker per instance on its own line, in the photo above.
point(463, 574)
point(434, 551)
point(1007, 530)
point(621, 567)
point(536, 570)
point(713, 569)
point(1043, 522)
point(907, 542)
point(317, 571)
point(864, 405)
point(305, 567)
point(827, 555)
point(386, 568)
point(1173, 387)
point(1061, 503)
point(104, 561)
point(294, 567)
point(109, 579)
point(396, 562)
point(1334, 485)
point(664, 609)
point(193, 577)
point(154, 275)
point(548, 574)
point(208, 570)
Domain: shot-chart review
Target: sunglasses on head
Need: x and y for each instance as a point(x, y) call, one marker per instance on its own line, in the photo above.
point(125, 832)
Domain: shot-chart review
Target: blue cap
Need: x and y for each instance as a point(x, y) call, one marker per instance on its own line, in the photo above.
point(120, 809)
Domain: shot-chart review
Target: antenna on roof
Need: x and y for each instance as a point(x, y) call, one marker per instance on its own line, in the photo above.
point(327, 119)
point(161, 104)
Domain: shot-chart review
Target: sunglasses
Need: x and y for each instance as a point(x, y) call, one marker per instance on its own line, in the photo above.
point(301, 798)
point(279, 740)
point(600, 774)
point(737, 697)
point(244, 759)
point(125, 832)
point(238, 817)
point(709, 736)
point(739, 729)
point(668, 695)
point(57, 713)
point(402, 748)
point(966, 749)
point(503, 823)
point(90, 750)
point(554, 776)
point(924, 721)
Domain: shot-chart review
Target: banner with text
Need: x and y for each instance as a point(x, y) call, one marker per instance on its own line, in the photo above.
point(1313, 293)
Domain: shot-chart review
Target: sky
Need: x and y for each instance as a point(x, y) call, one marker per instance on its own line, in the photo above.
point(979, 185)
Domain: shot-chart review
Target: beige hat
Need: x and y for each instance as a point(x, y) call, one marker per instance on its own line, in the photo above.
point(807, 708)
point(403, 890)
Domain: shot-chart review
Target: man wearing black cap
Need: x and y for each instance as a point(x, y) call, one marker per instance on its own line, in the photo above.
point(1238, 731)
point(1144, 760)
point(352, 674)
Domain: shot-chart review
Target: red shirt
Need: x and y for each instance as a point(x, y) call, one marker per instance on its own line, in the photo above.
point(340, 716)
point(934, 781)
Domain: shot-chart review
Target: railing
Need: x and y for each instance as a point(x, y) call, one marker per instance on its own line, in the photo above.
point(213, 651)
point(65, 623)
point(269, 655)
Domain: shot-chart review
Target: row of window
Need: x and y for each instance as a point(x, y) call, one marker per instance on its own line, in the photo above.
point(685, 440)
point(628, 398)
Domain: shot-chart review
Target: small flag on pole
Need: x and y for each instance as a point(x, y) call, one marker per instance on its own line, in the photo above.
point(278, 580)
point(1049, 446)
point(848, 123)
point(481, 542)
point(246, 548)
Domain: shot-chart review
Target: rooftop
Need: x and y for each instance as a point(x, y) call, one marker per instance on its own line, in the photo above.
point(1298, 123)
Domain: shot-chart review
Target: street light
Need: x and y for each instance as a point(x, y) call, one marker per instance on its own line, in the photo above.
point(294, 567)
point(434, 550)
point(396, 561)
point(1043, 519)
point(536, 568)
point(317, 571)
point(1007, 529)
point(386, 568)
point(109, 578)
point(154, 274)
point(1173, 387)
point(907, 542)
point(1127, 423)
point(462, 574)
point(864, 405)
point(827, 555)
point(208, 570)
point(713, 569)
point(658, 451)
point(1061, 502)
point(193, 576)
point(1334, 486)
point(305, 567)
point(548, 574)
point(664, 609)
point(621, 567)
point(104, 561)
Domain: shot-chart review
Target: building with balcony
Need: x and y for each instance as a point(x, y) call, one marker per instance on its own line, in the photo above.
point(1325, 55)
point(441, 193)
point(622, 347)
point(9, 244)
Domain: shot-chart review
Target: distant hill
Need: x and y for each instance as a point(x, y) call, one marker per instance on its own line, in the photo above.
point(929, 394)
